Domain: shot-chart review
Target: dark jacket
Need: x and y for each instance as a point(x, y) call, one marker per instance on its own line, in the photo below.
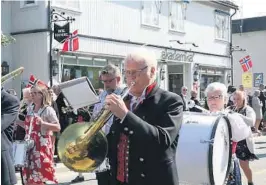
point(194, 109)
point(153, 130)
point(9, 113)
point(262, 99)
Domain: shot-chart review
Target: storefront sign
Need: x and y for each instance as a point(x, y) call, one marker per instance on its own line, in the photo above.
point(61, 32)
point(247, 80)
point(175, 56)
point(258, 79)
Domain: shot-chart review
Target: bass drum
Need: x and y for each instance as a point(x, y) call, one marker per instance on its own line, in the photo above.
point(204, 149)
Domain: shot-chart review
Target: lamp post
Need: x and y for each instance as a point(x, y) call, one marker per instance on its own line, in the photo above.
point(55, 17)
point(233, 49)
point(4, 68)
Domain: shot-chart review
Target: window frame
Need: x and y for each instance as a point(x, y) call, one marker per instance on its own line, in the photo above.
point(227, 27)
point(143, 23)
point(179, 3)
point(24, 5)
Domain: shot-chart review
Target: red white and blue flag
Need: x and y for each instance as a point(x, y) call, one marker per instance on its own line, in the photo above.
point(246, 63)
point(34, 81)
point(72, 42)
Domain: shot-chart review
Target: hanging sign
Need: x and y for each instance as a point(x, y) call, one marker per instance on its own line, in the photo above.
point(247, 80)
point(61, 32)
point(258, 79)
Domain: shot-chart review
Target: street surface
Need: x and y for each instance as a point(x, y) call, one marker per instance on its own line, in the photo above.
point(64, 176)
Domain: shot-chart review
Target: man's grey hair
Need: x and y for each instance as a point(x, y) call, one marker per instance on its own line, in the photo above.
point(216, 86)
point(26, 90)
point(183, 87)
point(143, 55)
point(111, 69)
point(256, 93)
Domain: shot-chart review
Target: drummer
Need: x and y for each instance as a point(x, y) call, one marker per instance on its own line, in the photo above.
point(245, 148)
point(216, 95)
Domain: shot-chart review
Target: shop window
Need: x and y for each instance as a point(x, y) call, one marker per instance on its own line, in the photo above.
point(71, 72)
point(177, 13)
point(222, 24)
point(205, 80)
point(150, 13)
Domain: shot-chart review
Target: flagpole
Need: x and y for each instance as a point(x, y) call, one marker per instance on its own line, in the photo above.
point(54, 17)
point(50, 43)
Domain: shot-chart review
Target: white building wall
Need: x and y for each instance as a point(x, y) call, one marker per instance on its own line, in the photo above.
point(254, 43)
point(29, 18)
point(6, 52)
point(122, 21)
point(31, 52)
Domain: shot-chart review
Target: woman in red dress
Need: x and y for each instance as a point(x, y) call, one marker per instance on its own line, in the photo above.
point(39, 168)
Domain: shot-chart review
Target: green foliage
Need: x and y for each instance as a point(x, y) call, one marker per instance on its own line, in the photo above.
point(5, 40)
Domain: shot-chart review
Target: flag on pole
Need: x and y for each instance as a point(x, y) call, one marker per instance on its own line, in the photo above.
point(72, 42)
point(246, 63)
point(34, 81)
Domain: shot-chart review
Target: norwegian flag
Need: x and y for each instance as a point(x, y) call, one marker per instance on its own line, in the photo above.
point(34, 81)
point(72, 42)
point(246, 63)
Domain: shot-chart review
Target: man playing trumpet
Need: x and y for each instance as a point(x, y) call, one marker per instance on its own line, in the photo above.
point(144, 135)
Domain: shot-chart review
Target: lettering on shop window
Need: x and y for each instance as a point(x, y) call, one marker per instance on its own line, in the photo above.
point(175, 56)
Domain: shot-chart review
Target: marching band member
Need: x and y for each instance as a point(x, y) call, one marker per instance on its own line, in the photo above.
point(39, 167)
point(9, 113)
point(144, 135)
point(216, 95)
point(111, 78)
point(245, 148)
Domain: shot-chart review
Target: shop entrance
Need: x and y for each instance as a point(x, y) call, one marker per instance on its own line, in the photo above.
point(176, 79)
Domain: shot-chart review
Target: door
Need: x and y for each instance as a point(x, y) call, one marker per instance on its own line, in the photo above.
point(175, 83)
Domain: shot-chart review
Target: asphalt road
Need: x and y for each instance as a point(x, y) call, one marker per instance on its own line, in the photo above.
point(65, 176)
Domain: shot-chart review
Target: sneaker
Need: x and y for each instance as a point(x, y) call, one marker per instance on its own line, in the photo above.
point(78, 179)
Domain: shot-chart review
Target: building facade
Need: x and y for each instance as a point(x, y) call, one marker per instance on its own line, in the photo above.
point(190, 38)
point(250, 35)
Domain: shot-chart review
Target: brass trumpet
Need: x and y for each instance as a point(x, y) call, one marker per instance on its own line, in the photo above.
point(12, 75)
point(82, 147)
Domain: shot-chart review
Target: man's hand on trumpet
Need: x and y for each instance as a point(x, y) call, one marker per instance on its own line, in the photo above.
point(116, 105)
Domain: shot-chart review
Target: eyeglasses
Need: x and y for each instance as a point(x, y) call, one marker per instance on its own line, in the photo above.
point(134, 72)
point(214, 97)
point(107, 81)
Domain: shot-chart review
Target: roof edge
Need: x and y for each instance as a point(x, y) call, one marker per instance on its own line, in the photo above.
point(226, 3)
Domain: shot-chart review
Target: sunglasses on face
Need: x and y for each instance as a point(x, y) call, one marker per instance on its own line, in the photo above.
point(35, 93)
point(107, 81)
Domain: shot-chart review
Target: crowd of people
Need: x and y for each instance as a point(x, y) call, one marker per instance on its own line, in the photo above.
point(148, 116)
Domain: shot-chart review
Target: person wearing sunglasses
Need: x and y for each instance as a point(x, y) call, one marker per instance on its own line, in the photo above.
point(143, 138)
point(40, 123)
point(110, 76)
point(183, 95)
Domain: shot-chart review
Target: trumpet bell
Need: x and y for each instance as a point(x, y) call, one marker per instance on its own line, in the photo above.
point(79, 154)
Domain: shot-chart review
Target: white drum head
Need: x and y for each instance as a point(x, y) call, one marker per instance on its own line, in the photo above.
point(220, 152)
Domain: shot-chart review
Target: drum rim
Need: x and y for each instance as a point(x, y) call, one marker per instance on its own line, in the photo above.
point(211, 149)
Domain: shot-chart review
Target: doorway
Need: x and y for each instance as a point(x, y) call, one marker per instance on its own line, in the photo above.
point(175, 82)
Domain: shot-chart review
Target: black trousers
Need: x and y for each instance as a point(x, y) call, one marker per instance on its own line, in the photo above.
point(104, 178)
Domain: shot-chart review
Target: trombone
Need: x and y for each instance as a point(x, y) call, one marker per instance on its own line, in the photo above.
point(82, 147)
point(11, 75)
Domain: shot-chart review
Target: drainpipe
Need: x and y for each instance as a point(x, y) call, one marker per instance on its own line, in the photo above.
point(231, 48)
point(50, 43)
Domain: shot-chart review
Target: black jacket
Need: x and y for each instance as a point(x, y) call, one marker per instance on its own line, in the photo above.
point(9, 113)
point(153, 130)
